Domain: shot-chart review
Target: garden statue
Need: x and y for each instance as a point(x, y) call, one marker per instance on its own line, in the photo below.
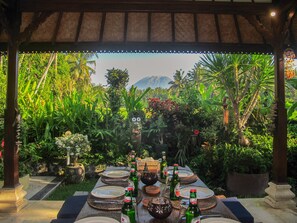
point(136, 127)
point(74, 145)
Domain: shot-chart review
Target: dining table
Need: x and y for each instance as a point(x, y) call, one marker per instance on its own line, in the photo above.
point(143, 216)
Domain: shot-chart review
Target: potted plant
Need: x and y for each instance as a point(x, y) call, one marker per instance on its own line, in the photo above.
point(247, 169)
point(74, 145)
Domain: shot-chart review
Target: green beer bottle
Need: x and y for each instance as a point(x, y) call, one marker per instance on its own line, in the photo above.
point(175, 184)
point(133, 182)
point(193, 212)
point(133, 156)
point(163, 166)
point(128, 211)
point(133, 165)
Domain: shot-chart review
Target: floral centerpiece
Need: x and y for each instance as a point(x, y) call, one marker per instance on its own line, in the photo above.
point(74, 145)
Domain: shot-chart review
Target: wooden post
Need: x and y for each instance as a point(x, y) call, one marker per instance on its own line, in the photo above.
point(12, 194)
point(11, 121)
point(279, 169)
point(279, 193)
point(11, 165)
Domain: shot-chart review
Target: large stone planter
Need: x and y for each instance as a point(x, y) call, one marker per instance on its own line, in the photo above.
point(24, 180)
point(75, 173)
point(247, 184)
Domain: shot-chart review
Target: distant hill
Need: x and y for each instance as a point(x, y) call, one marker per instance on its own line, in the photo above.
point(153, 82)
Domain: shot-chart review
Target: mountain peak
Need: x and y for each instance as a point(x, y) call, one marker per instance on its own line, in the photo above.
point(153, 82)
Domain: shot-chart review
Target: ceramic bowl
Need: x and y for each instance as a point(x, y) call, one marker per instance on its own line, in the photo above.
point(160, 207)
point(149, 178)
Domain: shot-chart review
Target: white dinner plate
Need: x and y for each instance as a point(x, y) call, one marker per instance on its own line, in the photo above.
point(97, 220)
point(108, 192)
point(115, 173)
point(218, 220)
point(182, 173)
point(202, 192)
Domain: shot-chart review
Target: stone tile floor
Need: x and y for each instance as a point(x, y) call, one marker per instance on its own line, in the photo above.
point(44, 211)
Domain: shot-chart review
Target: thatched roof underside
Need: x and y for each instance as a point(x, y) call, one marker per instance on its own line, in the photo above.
point(145, 31)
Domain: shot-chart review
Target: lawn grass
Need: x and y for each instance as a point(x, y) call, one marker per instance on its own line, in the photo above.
point(66, 190)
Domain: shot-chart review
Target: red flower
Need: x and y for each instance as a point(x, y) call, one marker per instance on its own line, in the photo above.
point(0, 154)
point(2, 144)
point(196, 132)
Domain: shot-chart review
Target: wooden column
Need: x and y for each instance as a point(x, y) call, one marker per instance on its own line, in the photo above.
point(11, 165)
point(278, 28)
point(279, 193)
point(279, 169)
point(11, 121)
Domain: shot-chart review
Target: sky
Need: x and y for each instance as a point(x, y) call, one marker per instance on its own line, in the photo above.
point(140, 65)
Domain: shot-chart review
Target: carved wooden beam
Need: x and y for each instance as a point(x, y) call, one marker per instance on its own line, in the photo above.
point(145, 6)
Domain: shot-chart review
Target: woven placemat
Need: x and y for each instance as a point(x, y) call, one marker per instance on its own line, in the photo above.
point(110, 204)
point(204, 204)
point(184, 180)
point(115, 181)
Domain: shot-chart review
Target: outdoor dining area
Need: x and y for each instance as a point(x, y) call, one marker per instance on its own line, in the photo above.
point(178, 26)
point(154, 201)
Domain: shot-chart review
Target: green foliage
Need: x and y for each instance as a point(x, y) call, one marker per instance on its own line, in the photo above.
point(242, 77)
point(117, 80)
point(245, 160)
point(292, 157)
point(132, 100)
point(209, 165)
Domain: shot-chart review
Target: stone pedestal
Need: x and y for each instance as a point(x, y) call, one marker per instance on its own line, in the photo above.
point(12, 199)
point(280, 196)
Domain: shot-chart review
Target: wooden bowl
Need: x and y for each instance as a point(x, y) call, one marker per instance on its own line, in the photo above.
point(159, 207)
point(152, 190)
point(149, 178)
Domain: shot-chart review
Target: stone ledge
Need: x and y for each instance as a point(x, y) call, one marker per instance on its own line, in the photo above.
point(280, 196)
point(12, 199)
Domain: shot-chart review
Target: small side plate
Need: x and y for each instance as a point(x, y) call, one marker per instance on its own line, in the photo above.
point(202, 192)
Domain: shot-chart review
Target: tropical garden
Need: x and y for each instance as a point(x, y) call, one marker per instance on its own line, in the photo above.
point(217, 118)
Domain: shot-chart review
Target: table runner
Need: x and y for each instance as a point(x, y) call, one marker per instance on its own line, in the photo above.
point(143, 215)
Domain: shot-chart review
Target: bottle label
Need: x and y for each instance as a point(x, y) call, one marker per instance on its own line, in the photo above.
point(196, 220)
point(127, 199)
point(193, 201)
point(177, 190)
point(124, 218)
point(164, 170)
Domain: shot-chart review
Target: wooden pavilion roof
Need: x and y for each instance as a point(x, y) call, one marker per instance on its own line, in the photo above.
point(143, 25)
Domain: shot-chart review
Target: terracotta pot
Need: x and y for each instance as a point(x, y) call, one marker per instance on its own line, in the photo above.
point(247, 184)
point(75, 173)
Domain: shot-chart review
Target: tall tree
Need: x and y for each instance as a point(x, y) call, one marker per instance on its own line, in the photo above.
point(82, 66)
point(117, 80)
point(243, 77)
point(179, 81)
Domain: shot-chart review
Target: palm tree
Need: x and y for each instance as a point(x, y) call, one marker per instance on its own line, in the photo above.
point(196, 74)
point(82, 67)
point(243, 77)
point(180, 80)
